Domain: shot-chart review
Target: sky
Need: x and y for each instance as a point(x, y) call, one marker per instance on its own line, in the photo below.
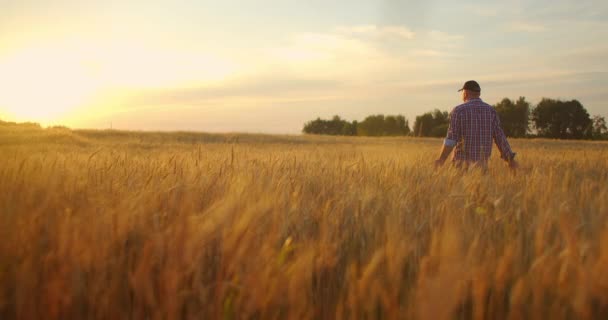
point(270, 66)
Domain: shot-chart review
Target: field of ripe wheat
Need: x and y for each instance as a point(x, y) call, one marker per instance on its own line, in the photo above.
point(131, 225)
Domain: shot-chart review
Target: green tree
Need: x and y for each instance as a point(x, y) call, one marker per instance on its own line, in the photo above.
point(391, 127)
point(380, 125)
point(349, 129)
point(514, 116)
point(335, 126)
point(600, 131)
point(313, 127)
point(562, 119)
point(371, 126)
point(403, 125)
point(432, 124)
point(374, 125)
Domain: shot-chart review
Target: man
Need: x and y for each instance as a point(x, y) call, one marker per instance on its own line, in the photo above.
point(473, 126)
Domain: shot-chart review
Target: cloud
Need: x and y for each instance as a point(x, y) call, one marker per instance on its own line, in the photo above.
point(520, 26)
point(320, 47)
point(428, 53)
point(342, 63)
point(137, 65)
point(273, 87)
point(344, 66)
point(442, 36)
point(378, 31)
point(360, 51)
point(329, 55)
point(341, 45)
point(486, 11)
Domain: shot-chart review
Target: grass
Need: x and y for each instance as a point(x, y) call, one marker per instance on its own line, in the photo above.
point(110, 224)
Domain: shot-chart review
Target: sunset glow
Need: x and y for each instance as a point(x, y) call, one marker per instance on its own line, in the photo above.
point(91, 64)
point(48, 82)
point(43, 84)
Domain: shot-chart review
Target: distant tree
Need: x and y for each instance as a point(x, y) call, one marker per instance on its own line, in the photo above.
point(442, 121)
point(7, 123)
point(562, 119)
point(432, 124)
point(600, 131)
point(313, 127)
point(423, 125)
point(403, 125)
point(349, 129)
point(21, 125)
point(335, 126)
point(514, 116)
point(391, 128)
point(371, 126)
point(355, 127)
point(380, 125)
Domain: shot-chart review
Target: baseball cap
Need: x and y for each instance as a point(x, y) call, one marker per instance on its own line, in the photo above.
point(471, 85)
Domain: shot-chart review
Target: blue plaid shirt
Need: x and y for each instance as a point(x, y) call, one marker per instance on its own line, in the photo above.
point(474, 125)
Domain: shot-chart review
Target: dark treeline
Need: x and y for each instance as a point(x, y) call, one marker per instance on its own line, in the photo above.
point(549, 119)
point(432, 124)
point(22, 125)
point(376, 125)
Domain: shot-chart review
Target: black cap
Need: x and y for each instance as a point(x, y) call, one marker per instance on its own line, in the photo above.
point(471, 85)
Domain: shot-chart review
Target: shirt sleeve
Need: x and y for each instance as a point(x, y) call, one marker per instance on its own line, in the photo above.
point(454, 131)
point(501, 139)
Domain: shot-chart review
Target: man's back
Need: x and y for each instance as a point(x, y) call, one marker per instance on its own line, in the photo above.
point(473, 126)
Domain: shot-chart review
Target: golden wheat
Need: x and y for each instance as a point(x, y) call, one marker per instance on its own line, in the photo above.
point(108, 224)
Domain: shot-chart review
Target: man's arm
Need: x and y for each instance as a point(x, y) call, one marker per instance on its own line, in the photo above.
point(445, 153)
point(452, 138)
point(500, 139)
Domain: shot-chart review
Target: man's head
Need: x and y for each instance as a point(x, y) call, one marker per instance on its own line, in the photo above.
point(470, 90)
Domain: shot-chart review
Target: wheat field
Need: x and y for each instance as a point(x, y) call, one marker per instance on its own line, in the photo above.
point(134, 225)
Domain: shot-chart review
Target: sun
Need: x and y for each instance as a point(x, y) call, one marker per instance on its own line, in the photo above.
point(58, 82)
point(44, 84)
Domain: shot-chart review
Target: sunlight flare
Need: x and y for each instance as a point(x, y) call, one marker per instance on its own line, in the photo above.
point(42, 84)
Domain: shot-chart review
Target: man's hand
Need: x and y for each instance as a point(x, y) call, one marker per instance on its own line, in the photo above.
point(439, 163)
point(445, 153)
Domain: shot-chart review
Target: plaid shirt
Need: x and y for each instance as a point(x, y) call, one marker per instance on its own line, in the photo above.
point(473, 126)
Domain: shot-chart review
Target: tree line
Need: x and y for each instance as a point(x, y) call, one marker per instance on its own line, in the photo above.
point(22, 125)
point(375, 125)
point(550, 118)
